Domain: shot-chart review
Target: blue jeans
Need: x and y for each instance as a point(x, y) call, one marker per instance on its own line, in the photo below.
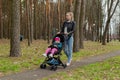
point(68, 48)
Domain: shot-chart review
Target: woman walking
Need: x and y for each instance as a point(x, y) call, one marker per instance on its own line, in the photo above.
point(68, 29)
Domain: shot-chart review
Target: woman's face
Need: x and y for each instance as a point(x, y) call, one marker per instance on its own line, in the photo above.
point(68, 17)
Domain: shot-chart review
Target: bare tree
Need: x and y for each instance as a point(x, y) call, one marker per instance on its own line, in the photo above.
point(109, 16)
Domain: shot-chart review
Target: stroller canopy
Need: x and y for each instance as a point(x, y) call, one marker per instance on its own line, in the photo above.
point(60, 36)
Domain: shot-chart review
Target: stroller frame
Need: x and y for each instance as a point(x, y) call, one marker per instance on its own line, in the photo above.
point(54, 61)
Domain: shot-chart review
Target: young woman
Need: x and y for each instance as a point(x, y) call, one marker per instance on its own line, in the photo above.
point(68, 29)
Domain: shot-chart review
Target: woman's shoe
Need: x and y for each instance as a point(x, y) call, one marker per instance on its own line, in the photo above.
point(68, 64)
point(51, 55)
point(70, 60)
point(44, 55)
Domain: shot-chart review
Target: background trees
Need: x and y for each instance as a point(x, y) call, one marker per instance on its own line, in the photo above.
point(41, 19)
point(110, 13)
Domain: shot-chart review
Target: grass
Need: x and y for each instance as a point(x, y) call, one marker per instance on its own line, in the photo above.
point(31, 56)
point(95, 48)
point(107, 70)
point(30, 59)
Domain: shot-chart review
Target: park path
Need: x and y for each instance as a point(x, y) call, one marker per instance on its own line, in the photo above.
point(39, 73)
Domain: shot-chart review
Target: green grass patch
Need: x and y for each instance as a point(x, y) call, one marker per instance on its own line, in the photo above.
point(6, 65)
point(107, 70)
point(32, 56)
point(95, 48)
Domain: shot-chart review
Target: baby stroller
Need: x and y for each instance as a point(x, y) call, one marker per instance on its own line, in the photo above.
point(54, 61)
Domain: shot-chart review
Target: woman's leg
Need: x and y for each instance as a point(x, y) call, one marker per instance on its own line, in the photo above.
point(48, 50)
point(53, 50)
point(70, 49)
point(66, 48)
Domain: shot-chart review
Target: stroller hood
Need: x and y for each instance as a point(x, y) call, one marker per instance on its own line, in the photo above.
point(60, 36)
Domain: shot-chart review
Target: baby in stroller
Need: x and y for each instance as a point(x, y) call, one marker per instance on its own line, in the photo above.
point(52, 49)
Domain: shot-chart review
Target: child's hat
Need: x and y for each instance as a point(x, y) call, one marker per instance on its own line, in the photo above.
point(57, 39)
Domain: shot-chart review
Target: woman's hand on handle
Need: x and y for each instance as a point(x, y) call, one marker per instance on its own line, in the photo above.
point(58, 32)
point(62, 33)
point(66, 33)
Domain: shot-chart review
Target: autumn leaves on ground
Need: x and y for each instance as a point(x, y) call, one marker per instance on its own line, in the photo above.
point(32, 56)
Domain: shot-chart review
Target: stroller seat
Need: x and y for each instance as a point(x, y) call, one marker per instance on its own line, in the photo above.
point(55, 60)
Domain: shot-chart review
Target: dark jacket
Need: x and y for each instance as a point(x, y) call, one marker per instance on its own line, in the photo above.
point(70, 27)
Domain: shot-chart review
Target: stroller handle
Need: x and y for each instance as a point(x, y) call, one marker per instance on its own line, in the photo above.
point(62, 33)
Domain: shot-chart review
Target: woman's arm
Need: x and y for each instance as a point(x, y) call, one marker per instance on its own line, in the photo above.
point(73, 27)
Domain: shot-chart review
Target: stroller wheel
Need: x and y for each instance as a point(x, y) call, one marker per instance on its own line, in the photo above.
point(54, 68)
point(43, 66)
point(64, 66)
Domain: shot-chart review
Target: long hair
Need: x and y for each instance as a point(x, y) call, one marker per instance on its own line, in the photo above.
point(72, 15)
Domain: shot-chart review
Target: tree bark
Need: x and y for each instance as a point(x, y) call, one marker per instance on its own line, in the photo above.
point(119, 32)
point(76, 35)
point(82, 23)
point(31, 21)
point(1, 21)
point(15, 50)
point(48, 19)
point(59, 14)
point(35, 19)
point(69, 6)
point(28, 21)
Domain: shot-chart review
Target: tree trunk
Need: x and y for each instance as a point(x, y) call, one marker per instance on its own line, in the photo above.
point(69, 6)
point(1, 21)
point(82, 23)
point(76, 35)
point(48, 19)
point(108, 36)
point(119, 32)
point(31, 21)
point(105, 32)
point(15, 50)
point(35, 19)
point(110, 14)
point(59, 15)
point(28, 20)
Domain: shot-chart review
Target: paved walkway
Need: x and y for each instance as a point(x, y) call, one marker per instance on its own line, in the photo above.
point(39, 73)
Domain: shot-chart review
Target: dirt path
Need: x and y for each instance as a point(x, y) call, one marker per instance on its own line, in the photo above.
point(38, 73)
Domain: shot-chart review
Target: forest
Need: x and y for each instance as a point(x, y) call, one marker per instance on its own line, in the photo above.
point(28, 28)
point(42, 19)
